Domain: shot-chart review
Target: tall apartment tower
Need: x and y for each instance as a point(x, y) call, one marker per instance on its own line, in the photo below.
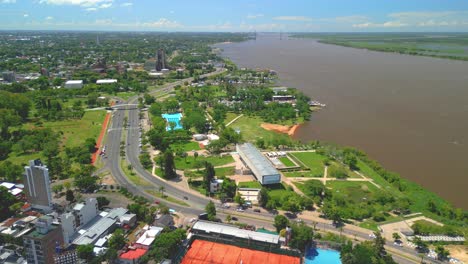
point(160, 60)
point(37, 186)
point(41, 243)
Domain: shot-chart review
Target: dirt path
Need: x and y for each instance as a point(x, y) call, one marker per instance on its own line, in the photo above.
point(234, 120)
point(101, 137)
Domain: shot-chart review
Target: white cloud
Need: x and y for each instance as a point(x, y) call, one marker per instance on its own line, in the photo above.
point(162, 23)
point(25, 15)
point(91, 9)
point(8, 1)
point(83, 3)
point(292, 18)
point(106, 5)
point(419, 19)
point(49, 18)
point(128, 4)
point(254, 16)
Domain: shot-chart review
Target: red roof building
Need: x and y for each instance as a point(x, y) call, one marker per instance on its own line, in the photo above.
point(132, 256)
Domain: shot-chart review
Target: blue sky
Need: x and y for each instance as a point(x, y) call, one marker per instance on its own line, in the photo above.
point(236, 15)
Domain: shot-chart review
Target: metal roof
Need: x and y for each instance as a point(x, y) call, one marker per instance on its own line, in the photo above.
point(92, 231)
point(259, 165)
point(212, 227)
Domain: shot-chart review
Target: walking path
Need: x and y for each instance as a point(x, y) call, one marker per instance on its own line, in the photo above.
point(234, 120)
point(100, 138)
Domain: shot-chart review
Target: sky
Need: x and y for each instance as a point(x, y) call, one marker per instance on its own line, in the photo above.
point(236, 15)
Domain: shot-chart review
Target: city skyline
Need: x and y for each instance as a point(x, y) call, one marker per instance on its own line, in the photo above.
point(241, 16)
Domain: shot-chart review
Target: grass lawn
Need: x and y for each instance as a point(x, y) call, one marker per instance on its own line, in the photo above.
point(312, 160)
point(287, 162)
point(192, 163)
point(185, 147)
point(250, 184)
point(251, 130)
point(298, 174)
point(224, 171)
point(353, 191)
point(229, 117)
point(373, 225)
point(75, 132)
point(137, 180)
point(278, 191)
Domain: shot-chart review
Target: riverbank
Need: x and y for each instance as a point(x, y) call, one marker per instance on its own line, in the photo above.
point(289, 130)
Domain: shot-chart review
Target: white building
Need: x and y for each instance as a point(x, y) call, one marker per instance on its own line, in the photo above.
point(82, 214)
point(148, 237)
point(37, 186)
point(215, 185)
point(106, 81)
point(260, 166)
point(250, 194)
point(74, 84)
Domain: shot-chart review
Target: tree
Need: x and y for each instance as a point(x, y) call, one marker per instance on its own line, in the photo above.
point(228, 218)
point(85, 252)
point(396, 236)
point(161, 190)
point(69, 196)
point(117, 240)
point(302, 236)
point(229, 187)
point(211, 210)
point(9, 171)
point(239, 200)
point(420, 244)
point(168, 165)
point(442, 253)
point(7, 200)
point(350, 160)
point(280, 222)
point(208, 175)
point(102, 201)
point(90, 144)
point(264, 197)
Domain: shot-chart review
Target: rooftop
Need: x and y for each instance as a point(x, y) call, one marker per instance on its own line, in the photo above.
point(212, 227)
point(74, 82)
point(133, 254)
point(255, 157)
point(149, 236)
point(204, 252)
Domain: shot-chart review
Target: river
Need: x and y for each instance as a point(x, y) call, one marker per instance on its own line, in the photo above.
point(408, 112)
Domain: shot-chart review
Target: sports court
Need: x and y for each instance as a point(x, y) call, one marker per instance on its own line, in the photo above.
point(204, 252)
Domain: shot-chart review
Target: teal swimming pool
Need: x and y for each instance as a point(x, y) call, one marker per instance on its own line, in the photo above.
point(174, 118)
point(322, 256)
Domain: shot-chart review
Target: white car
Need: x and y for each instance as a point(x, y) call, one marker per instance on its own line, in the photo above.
point(240, 210)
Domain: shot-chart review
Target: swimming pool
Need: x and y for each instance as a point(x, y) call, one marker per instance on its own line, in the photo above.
point(175, 118)
point(322, 256)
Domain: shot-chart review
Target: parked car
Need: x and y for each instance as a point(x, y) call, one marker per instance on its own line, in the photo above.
point(257, 210)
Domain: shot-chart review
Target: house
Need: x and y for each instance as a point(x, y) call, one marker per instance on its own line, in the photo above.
point(215, 185)
point(74, 84)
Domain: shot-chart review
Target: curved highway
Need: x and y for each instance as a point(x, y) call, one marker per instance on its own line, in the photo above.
point(197, 203)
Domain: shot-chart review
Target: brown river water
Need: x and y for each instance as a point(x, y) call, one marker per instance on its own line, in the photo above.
point(410, 113)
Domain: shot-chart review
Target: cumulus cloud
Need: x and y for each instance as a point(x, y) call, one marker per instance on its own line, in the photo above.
point(83, 3)
point(292, 18)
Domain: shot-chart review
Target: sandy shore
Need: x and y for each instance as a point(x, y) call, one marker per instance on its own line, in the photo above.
point(290, 130)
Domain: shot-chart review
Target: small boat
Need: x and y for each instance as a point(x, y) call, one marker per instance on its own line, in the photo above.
point(316, 103)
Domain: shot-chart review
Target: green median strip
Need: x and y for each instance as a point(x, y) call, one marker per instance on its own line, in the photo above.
point(167, 198)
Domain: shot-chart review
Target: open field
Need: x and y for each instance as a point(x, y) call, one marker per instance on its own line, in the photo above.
point(354, 191)
point(312, 160)
point(192, 163)
point(339, 166)
point(224, 171)
point(446, 45)
point(75, 132)
point(251, 130)
point(185, 147)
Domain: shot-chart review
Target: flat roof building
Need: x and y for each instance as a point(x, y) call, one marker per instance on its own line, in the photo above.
point(260, 166)
point(40, 244)
point(106, 81)
point(74, 84)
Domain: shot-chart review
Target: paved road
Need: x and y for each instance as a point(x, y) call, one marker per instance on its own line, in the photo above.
point(197, 203)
